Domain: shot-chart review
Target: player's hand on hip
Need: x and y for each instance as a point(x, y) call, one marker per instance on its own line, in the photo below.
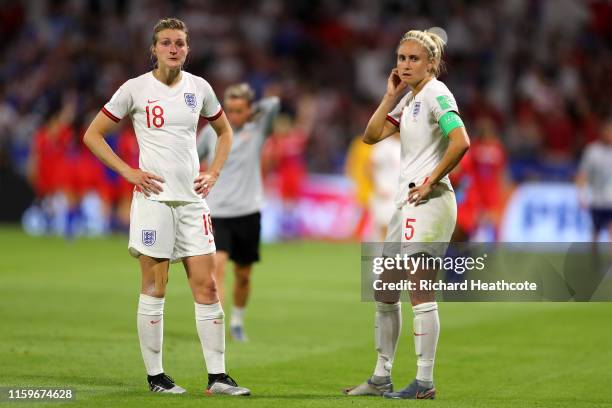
point(416, 195)
point(204, 182)
point(148, 183)
point(395, 84)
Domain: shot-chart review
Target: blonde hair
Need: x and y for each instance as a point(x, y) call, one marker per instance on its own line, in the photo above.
point(170, 23)
point(433, 45)
point(240, 91)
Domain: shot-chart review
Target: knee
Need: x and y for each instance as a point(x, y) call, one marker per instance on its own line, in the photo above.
point(243, 275)
point(205, 290)
point(422, 297)
point(243, 280)
point(154, 289)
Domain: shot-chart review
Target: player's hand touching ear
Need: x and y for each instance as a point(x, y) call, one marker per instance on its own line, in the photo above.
point(147, 182)
point(204, 182)
point(395, 84)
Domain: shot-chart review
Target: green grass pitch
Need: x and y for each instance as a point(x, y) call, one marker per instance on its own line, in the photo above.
point(68, 309)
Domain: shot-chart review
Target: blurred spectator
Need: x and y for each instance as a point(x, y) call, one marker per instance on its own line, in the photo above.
point(357, 170)
point(469, 199)
point(283, 156)
point(488, 159)
point(384, 168)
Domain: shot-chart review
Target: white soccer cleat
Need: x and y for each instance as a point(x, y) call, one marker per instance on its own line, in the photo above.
point(226, 386)
point(375, 385)
point(163, 383)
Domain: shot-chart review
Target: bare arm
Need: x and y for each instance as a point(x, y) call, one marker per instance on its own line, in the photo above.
point(206, 180)
point(458, 145)
point(94, 140)
point(379, 127)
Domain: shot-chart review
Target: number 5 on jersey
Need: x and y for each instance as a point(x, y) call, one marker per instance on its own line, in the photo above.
point(158, 116)
point(409, 229)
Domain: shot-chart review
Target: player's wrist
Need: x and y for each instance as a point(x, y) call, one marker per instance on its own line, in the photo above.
point(213, 172)
point(389, 97)
point(125, 171)
point(432, 182)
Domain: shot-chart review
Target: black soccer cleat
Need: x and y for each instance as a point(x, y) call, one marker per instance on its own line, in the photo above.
point(163, 383)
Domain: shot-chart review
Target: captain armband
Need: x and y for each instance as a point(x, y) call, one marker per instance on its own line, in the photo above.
point(450, 121)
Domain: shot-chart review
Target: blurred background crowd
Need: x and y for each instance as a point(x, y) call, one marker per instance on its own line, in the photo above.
point(532, 80)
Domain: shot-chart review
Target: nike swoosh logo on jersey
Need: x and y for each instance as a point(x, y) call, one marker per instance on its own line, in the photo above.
point(153, 101)
point(155, 321)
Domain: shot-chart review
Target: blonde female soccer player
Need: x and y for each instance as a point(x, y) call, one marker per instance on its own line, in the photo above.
point(169, 217)
point(433, 141)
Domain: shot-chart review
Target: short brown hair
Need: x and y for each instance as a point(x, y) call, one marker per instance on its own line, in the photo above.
point(170, 23)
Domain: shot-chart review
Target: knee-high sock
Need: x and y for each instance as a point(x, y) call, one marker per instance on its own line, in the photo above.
point(426, 333)
point(388, 325)
point(237, 316)
point(210, 323)
point(150, 322)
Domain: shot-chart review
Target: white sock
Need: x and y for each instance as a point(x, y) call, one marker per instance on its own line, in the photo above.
point(426, 332)
point(150, 322)
point(237, 316)
point(388, 325)
point(210, 323)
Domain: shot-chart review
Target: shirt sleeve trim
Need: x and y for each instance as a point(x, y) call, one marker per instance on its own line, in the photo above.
point(215, 116)
point(110, 115)
point(393, 121)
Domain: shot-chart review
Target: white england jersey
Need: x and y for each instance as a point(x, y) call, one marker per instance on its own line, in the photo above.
point(165, 120)
point(423, 143)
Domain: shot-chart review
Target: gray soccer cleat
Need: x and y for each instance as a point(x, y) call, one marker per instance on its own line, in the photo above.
point(413, 391)
point(226, 386)
point(375, 385)
point(163, 383)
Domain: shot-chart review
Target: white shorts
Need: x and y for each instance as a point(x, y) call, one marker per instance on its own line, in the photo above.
point(168, 229)
point(426, 228)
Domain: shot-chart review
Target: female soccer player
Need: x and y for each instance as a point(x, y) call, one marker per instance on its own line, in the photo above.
point(169, 217)
point(433, 141)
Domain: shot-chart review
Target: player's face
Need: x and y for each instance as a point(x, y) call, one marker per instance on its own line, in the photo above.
point(171, 48)
point(238, 111)
point(413, 62)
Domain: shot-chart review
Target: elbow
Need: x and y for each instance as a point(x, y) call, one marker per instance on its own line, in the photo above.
point(368, 139)
point(90, 137)
point(87, 139)
point(466, 144)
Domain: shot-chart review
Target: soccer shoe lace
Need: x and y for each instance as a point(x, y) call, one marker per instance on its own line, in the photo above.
point(226, 379)
point(164, 383)
point(226, 385)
